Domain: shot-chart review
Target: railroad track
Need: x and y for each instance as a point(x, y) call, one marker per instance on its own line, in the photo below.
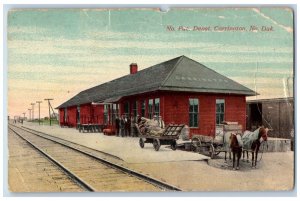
point(30, 171)
point(86, 166)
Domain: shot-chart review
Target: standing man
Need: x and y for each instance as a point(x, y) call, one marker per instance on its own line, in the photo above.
point(117, 123)
point(122, 126)
point(127, 126)
point(132, 125)
point(139, 119)
point(161, 123)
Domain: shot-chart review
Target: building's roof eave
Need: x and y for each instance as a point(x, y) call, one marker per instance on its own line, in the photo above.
point(204, 90)
point(162, 76)
point(271, 100)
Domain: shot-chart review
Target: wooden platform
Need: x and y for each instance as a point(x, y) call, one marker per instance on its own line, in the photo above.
point(278, 145)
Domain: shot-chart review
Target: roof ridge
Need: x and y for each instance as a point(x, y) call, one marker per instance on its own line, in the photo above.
point(171, 72)
point(147, 68)
point(220, 74)
point(155, 77)
point(85, 93)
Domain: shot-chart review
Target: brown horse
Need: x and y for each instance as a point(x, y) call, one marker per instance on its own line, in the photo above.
point(236, 149)
point(252, 142)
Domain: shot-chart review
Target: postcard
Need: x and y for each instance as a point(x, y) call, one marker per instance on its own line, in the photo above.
point(140, 100)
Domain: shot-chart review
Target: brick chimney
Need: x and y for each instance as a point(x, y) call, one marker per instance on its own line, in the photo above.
point(133, 68)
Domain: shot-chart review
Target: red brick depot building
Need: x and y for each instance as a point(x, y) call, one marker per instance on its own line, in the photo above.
point(180, 90)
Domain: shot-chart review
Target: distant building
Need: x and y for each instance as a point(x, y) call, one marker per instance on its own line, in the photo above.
point(180, 90)
point(277, 114)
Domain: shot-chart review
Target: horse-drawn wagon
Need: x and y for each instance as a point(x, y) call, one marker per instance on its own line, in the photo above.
point(204, 145)
point(229, 138)
point(167, 136)
point(214, 145)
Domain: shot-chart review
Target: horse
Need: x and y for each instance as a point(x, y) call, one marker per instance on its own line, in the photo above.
point(236, 145)
point(252, 142)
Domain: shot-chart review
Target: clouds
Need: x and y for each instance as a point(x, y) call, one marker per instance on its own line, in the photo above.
point(59, 53)
point(76, 46)
point(286, 28)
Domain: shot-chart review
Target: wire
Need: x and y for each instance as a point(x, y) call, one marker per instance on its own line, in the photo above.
point(256, 98)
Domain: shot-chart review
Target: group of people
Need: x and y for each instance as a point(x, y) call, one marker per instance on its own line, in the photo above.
point(125, 126)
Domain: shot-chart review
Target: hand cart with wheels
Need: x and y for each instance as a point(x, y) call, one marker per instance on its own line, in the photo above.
point(168, 137)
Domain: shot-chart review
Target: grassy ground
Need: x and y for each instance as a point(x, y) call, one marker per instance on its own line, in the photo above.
point(46, 122)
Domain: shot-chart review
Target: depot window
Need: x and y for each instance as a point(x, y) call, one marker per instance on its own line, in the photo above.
point(105, 114)
point(193, 112)
point(66, 115)
point(126, 108)
point(115, 112)
point(78, 114)
point(220, 111)
point(156, 107)
point(143, 108)
point(150, 108)
point(135, 108)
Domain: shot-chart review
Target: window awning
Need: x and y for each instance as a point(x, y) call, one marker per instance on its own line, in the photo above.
point(108, 101)
point(112, 100)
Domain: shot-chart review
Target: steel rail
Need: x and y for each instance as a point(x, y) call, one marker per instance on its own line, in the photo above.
point(153, 181)
point(70, 174)
point(51, 136)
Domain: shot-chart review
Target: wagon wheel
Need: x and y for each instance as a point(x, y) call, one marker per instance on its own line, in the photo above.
point(212, 151)
point(218, 149)
point(156, 144)
point(174, 145)
point(142, 144)
point(196, 143)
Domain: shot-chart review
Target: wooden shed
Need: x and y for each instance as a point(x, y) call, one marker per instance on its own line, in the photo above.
point(276, 113)
point(180, 90)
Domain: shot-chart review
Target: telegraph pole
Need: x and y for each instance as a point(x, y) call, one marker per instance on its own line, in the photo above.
point(29, 113)
point(39, 102)
point(49, 105)
point(32, 111)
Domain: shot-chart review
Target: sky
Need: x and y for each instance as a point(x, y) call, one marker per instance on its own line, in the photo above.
point(56, 53)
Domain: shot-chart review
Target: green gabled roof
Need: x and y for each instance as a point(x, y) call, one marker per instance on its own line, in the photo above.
point(189, 75)
point(178, 74)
